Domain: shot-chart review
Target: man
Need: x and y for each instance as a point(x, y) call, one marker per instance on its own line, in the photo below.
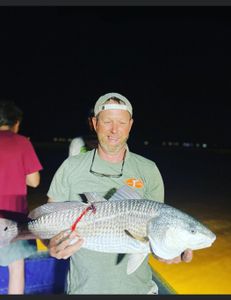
point(103, 170)
point(19, 167)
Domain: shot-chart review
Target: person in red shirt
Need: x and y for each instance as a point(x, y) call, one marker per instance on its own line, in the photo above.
point(19, 168)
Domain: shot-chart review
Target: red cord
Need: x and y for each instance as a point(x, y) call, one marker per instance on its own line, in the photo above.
point(91, 207)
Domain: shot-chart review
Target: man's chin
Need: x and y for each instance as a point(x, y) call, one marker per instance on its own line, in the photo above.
point(113, 149)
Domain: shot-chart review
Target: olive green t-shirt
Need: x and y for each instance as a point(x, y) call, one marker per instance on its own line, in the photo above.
point(94, 272)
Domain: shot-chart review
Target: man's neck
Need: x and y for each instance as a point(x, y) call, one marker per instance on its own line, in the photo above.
point(112, 157)
point(4, 128)
point(14, 128)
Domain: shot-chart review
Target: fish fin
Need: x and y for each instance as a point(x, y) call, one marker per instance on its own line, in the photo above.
point(143, 239)
point(120, 257)
point(94, 197)
point(52, 207)
point(125, 192)
point(8, 231)
point(134, 261)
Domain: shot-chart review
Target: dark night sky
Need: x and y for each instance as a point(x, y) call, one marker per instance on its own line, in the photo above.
point(172, 63)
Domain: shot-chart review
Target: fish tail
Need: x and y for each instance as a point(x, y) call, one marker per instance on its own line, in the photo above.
point(13, 226)
point(8, 231)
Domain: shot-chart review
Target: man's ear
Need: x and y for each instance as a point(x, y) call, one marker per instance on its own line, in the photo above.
point(131, 123)
point(94, 122)
point(15, 127)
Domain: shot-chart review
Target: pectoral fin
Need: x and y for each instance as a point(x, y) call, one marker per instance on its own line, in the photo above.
point(134, 261)
point(143, 239)
point(94, 197)
point(125, 192)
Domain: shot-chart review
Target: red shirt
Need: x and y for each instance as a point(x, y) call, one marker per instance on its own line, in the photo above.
point(17, 159)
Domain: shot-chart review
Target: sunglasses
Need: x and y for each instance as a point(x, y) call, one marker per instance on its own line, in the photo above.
point(107, 175)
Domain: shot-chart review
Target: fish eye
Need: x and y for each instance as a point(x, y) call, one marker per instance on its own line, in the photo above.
point(193, 231)
point(5, 229)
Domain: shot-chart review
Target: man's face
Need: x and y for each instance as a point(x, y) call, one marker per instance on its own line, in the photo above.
point(112, 127)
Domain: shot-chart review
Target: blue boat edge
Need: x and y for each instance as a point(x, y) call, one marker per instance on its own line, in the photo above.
point(51, 274)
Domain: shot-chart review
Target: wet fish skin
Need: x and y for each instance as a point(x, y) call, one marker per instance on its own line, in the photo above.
point(124, 224)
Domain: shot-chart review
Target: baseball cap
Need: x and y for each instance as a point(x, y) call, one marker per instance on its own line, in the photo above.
point(100, 103)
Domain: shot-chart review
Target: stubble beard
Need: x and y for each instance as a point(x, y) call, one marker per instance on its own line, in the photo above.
point(113, 149)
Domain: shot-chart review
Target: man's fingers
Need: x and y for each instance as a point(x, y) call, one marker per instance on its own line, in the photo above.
point(69, 250)
point(175, 260)
point(59, 238)
point(187, 255)
point(64, 244)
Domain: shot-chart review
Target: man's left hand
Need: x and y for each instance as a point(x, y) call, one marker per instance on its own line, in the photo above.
point(186, 256)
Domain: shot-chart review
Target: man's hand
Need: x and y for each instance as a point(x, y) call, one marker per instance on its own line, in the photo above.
point(186, 256)
point(64, 244)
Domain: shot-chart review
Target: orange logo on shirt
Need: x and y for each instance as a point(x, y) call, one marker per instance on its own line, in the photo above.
point(138, 183)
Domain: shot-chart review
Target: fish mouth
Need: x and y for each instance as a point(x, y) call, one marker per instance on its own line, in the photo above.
point(206, 241)
point(204, 244)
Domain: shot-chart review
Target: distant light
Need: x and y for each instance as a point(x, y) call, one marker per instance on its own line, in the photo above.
point(146, 143)
point(187, 144)
point(184, 144)
point(60, 139)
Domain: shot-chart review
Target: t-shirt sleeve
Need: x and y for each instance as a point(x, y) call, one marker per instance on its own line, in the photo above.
point(30, 159)
point(58, 189)
point(155, 185)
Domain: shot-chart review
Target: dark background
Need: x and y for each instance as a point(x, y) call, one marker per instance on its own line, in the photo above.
point(172, 63)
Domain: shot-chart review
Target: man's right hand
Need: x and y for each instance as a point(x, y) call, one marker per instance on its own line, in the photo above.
point(64, 244)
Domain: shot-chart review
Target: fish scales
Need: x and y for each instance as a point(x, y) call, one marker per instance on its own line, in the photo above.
point(104, 229)
point(125, 223)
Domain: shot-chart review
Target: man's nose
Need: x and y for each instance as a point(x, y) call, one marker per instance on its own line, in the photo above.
point(114, 127)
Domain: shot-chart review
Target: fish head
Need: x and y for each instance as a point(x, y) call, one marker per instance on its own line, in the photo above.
point(8, 231)
point(174, 231)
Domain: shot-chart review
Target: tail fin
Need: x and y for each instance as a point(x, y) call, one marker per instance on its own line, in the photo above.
point(9, 229)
